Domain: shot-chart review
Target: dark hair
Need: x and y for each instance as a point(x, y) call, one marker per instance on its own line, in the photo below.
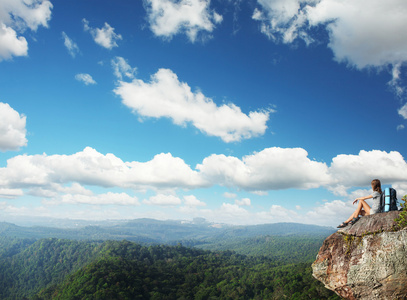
point(376, 186)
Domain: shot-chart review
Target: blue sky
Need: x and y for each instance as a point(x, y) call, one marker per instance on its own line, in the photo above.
point(240, 112)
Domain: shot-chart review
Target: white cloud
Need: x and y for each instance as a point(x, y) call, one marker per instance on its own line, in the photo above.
point(365, 32)
point(401, 126)
point(277, 213)
point(165, 96)
point(282, 19)
point(401, 189)
point(121, 68)
point(270, 169)
point(169, 17)
point(229, 195)
point(395, 83)
point(85, 78)
point(74, 188)
point(100, 199)
point(403, 111)
point(10, 44)
point(243, 202)
point(12, 128)
point(330, 213)
point(18, 16)
point(192, 201)
point(105, 36)
point(163, 200)
point(10, 193)
point(233, 210)
point(70, 45)
point(361, 169)
point(361, 33)
point(90, 167)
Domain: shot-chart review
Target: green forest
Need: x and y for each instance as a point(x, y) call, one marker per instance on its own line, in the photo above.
point(265, 267)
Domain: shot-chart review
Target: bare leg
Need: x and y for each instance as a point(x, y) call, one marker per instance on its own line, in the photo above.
point(362, 209)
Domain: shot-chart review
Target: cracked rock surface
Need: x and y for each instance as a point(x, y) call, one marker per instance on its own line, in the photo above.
point(367, 260)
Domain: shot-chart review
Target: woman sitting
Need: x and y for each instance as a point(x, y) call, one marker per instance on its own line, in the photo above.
point(363, 208)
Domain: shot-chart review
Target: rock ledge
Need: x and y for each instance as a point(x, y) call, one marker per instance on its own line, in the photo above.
point(367, 260)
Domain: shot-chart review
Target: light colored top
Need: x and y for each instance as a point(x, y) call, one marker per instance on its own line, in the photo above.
point(376, 203)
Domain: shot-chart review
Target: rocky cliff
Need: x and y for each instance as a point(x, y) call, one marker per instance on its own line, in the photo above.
point(367, 260)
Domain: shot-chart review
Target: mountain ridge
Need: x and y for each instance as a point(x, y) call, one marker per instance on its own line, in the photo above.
point(158, 231)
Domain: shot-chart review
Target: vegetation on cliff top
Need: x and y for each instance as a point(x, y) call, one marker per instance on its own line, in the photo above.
point(401, 221)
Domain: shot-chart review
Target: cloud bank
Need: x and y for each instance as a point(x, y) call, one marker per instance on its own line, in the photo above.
point(166, 97)
point(270, 169)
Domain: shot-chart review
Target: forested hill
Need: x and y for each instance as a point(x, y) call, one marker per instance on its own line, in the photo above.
point(67, 269)
point(151, 259)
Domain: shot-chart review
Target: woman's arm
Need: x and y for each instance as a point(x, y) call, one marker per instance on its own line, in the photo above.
point(362, 198)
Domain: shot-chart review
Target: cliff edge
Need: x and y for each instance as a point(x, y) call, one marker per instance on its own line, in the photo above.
point(367, 260)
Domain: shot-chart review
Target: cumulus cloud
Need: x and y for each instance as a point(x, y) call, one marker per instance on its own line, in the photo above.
point(169, 17)
point(85, 78)
point(70, 45)
point(163, 200)
point(270, 169)
point(16, 16)
point(233, 210)
point(401, 189)
point(90, 167)
point(330, 213)
point(166, 97)
point(282, 19)
point(105, 36)
point(192, 201)
point(12, 128)
point(10, 193)
point(10, 44)
point(361, 33)
point(359, 170)
point(121, 68)
point(243, 202)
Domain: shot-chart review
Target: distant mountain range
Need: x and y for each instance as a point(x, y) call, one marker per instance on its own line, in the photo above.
point(150, 231)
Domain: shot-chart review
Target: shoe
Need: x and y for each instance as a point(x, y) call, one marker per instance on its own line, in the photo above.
point(354, 220)
point(344, 224)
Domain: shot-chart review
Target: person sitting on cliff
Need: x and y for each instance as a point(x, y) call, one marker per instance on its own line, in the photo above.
point(363, 208)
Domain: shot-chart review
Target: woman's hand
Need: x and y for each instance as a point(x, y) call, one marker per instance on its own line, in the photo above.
point(356, 200)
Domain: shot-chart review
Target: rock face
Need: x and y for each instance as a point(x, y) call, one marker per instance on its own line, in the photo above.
point(367, 260)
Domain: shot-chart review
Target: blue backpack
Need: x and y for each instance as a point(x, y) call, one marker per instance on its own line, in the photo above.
point(388, 200)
